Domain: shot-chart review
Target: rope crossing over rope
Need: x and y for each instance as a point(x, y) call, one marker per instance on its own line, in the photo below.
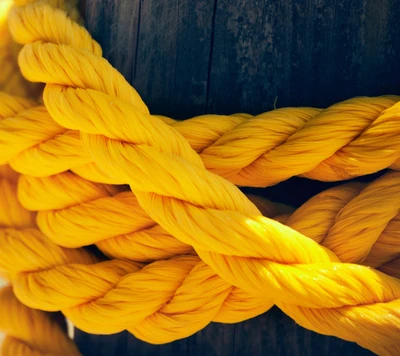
point(237, 262)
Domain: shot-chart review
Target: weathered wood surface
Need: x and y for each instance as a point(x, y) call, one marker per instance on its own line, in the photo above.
point(189, 57)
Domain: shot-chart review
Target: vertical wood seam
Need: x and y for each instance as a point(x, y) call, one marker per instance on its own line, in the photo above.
point(211, 55)
point(133, 76)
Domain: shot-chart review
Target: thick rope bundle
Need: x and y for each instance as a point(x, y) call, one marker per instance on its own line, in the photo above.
point(213, 137)
point(32, 332)
point(335, 197)
point(27, 250)
point(75, 213)
point(248, 262)
point(28, 331)
point(226, 143)
point(11, 79)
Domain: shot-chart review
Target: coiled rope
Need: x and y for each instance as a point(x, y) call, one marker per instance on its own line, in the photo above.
point(264, 260)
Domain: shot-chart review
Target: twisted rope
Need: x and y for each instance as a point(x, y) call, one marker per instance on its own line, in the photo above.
point(31, 332)
point(159, 303)
point(11, 79)
point(201, 209)
point(359, 223)
point(28, 331)
point(252, 151)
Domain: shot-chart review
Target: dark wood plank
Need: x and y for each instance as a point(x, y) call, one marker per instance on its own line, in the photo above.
point(270, 334)
point(191, 57)
point(304, 53)
point(162, 47)
point(173, 51)
point(186, 58)
point(115, 23)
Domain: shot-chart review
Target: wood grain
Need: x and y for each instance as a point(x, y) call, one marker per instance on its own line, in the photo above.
point(189, 57)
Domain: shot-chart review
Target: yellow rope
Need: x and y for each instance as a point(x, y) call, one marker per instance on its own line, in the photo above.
point(32, 332)
point(261, 261)
point(159, 303)
point(29, 332)
point(226, 143)
point(11, 79)
point(360, 224)
point(118, 108)
point(92, 318)
point(333, 154)
point(74, 212)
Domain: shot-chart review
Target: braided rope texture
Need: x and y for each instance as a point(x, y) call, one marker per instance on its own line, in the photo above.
point(186, 247)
